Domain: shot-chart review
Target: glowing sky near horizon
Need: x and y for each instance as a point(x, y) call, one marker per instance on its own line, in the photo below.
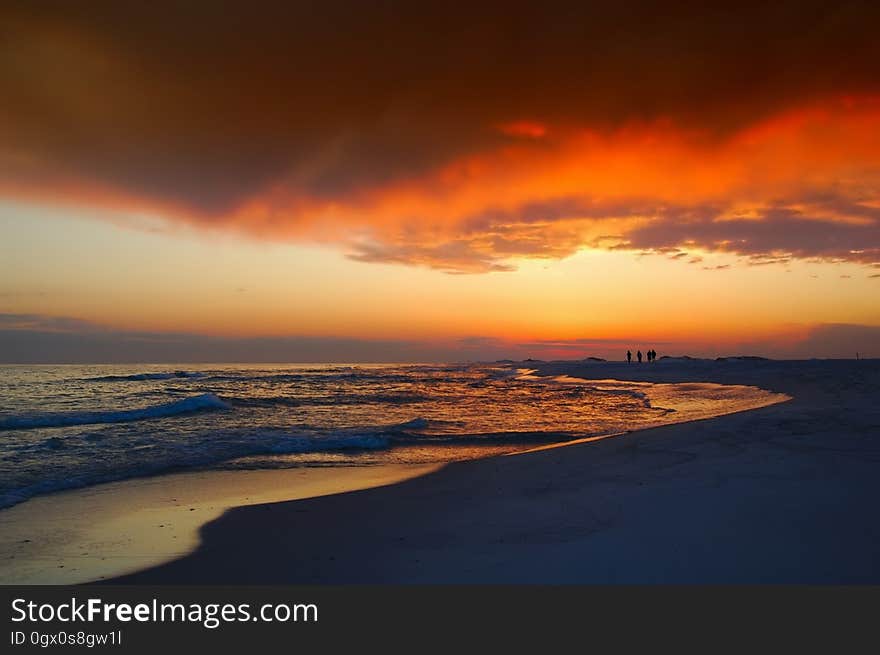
point(189, 181)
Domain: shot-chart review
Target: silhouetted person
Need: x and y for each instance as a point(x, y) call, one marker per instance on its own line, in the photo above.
point(629, 356)
point(652, 355)
point(639, 356)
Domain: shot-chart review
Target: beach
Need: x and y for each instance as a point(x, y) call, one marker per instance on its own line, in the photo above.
point(786, 493)
point(89, 534)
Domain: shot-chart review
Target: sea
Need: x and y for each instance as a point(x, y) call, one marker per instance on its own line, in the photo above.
point(71, 426)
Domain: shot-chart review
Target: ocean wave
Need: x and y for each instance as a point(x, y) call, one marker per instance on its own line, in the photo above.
point(201, 403)
point(252, 442)
point(418, 423)
point(218, 447)
point(628, 393)
point(513, 438)
point(139, 377)
point(305, 375)
point(580, 388)
point(294, 445)
point(397, 375)
point(400, 398)
point(214, 447)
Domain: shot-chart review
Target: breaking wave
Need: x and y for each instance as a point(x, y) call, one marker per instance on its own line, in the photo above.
point(202, 403)
point(230, 446)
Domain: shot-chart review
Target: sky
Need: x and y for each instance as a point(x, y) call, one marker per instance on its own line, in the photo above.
point(421, 181)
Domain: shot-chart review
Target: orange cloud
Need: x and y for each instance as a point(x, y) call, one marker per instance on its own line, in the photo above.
point(93, 118)
point(458, 146)
point(805, 183)
point(801, 184)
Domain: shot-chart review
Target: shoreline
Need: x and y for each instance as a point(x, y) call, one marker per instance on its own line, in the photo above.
point(88, 534)
point(498, 519)
point(119, 527)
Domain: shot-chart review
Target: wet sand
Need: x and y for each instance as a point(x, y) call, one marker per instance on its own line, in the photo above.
point(112, 529)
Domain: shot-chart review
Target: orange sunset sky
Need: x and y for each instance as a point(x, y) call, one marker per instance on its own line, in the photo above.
point(427, 181)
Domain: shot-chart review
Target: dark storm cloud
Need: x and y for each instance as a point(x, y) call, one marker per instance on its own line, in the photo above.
point(45, 323)
point(829, 340)
point(205, 103)
point(200, 108)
